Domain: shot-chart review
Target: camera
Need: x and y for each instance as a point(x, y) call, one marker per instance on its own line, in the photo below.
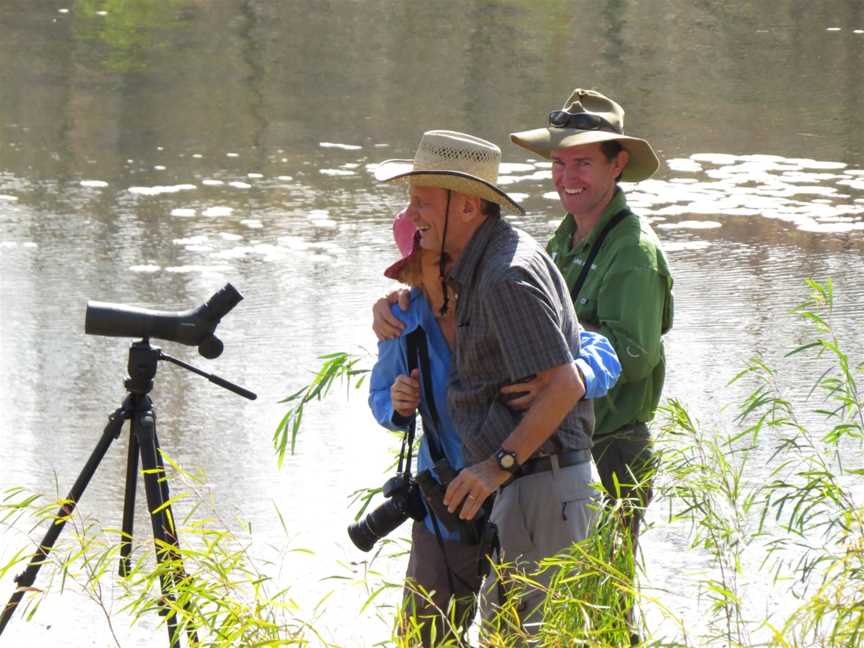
point(403, 501)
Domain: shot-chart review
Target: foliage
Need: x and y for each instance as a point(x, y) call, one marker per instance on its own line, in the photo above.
point(589, 591)
point(337, 367)
point(211, 587)
point(128, 31)
point(704, 477)
point(795, 519)
point(811, 493)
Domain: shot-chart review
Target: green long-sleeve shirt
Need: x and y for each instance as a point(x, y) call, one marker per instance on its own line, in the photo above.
point(627, 295)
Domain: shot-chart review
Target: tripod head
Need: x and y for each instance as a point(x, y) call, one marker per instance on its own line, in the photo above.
point(193, 327)
point(142, 370)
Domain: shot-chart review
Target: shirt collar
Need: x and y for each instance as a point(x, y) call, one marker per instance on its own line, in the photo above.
point(466, 266)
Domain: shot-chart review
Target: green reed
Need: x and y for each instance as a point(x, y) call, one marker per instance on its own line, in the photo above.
point(338, 367)
point(773, 499)
point(216, 591)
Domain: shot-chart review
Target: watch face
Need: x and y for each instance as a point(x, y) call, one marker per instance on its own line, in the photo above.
point(506, 460)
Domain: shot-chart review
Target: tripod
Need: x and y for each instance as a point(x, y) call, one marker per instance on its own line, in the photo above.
point(144, 443)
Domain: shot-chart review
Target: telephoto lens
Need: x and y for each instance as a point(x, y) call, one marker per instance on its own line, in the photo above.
point(403, 502)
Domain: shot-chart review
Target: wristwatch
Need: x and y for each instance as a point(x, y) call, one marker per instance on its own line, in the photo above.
point(506, 460)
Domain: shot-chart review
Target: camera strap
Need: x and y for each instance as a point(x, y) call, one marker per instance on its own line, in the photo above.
point(617, 218)
point(404, 467)
point(418, 356)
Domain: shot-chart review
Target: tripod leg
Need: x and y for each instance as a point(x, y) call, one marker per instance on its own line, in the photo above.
point(26, 578)
point(144, 428)
point(129, 505)
point(171, 529)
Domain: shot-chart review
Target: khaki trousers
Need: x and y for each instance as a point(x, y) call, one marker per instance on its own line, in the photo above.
point(538, 516)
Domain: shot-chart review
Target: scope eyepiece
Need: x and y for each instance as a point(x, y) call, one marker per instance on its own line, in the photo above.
point(220, 304)
point(194, 327)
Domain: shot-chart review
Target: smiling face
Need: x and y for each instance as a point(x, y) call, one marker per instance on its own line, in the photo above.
point(585, 179)
point(426, 210)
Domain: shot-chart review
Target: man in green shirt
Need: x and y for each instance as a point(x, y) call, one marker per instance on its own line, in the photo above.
point(626, 293)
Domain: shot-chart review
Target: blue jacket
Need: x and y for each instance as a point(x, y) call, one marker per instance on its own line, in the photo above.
point(597, 361)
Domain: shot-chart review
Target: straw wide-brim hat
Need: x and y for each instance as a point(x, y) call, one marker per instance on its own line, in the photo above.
point(455, 161)
point(643, 161)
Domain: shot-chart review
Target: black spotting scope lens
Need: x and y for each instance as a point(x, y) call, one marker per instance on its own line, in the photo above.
point(193, 327)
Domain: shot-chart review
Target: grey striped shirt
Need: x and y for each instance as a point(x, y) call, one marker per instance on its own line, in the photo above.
point(515, 319)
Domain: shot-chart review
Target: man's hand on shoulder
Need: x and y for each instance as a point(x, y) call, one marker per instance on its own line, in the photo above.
point(385, 325)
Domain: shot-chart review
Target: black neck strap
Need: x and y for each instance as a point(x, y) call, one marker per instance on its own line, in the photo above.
point(617, 218)
point(418, 356)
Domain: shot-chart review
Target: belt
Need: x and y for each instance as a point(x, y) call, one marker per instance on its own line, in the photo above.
point(544, 464)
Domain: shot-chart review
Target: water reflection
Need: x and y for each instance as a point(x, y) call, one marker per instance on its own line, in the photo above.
point(150, 152)
point(309, 273)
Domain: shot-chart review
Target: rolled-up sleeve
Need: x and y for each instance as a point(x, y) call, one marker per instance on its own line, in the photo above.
point(527, 325)
point(630, 312)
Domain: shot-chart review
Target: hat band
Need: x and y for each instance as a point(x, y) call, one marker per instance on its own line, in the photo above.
point(580, 121)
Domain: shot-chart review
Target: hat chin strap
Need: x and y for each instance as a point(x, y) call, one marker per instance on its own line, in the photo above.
point(441, 259)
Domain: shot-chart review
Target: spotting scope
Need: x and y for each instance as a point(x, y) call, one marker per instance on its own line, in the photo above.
point(193, 327)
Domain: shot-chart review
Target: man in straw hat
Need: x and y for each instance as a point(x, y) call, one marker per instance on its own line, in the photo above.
point(443, 564)
point(625, 291)
point(514, 319)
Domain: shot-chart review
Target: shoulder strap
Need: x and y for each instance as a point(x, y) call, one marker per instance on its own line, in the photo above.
point(418, 355)
point(617, 218)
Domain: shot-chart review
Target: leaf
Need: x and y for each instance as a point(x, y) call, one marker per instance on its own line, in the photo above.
point(372, 597)
point(337, 366)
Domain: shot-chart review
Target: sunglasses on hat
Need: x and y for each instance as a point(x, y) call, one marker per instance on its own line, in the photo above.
point(579, 121)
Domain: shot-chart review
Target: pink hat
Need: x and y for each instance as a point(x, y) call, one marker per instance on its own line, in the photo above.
point(407, 240)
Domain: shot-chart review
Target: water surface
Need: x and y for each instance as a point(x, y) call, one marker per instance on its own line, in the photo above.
point(152, 152)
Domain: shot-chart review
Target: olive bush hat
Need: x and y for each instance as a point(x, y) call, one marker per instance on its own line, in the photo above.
point(452, 160)
point(589, 117)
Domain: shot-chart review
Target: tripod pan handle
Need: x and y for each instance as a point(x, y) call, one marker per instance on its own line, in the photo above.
point(245, 393)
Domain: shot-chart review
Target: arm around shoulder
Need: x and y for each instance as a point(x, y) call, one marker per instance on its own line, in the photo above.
point(598, 364)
